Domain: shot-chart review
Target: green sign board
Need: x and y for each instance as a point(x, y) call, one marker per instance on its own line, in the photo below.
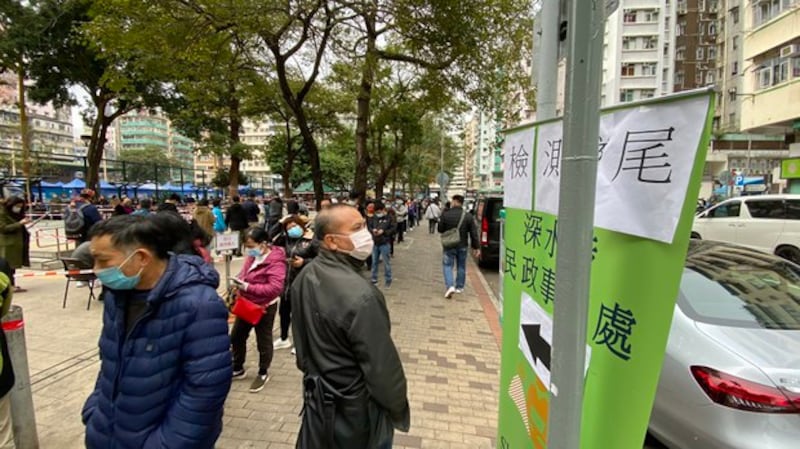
point(650, 159)
point(790, 168)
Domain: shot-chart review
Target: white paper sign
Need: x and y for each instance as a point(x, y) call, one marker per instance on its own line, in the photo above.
point(518, 169)
point(548, 167)
point(228, 241)
point(646, 155)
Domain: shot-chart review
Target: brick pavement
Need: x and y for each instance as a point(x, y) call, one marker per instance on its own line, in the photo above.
point(449, 353)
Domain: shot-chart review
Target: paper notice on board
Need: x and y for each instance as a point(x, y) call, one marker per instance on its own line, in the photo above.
point(518, 169)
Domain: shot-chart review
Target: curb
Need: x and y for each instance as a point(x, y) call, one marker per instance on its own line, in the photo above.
point(488, 301)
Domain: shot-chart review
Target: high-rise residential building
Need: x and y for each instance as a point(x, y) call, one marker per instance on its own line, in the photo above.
point(488, 168)
point(256, 134)
point(771, 48)
point(695, 56)
point(729, 65)
point(138, 130)
point(638, 60)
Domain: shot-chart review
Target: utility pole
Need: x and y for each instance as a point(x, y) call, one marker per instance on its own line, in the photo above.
point(547, 72)
point(575, 221)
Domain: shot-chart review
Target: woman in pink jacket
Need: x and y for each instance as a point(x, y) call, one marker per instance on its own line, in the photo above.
point(260, 281)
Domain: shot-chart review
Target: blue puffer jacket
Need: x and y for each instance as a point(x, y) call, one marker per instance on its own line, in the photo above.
point(164, 386)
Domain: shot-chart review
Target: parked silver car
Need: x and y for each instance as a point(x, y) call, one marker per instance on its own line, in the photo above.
point(731, 375)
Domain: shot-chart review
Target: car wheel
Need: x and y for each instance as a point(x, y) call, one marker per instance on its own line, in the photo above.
point(789, 253)
point(696, 236)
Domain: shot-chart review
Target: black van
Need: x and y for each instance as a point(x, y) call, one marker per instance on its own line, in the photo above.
point(487, 219)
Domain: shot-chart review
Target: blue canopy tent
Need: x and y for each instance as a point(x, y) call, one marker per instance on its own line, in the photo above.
point(75, 184)
point(51, 189)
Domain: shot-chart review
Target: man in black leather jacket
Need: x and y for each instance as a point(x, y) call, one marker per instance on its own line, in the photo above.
point(341, 330)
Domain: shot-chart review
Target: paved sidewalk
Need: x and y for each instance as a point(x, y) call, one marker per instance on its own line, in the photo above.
point(449, 352)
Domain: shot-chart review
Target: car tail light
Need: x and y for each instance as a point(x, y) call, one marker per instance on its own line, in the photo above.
point(735, 392)
point(484, 231)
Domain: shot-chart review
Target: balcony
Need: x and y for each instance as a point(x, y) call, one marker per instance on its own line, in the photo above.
point(777, 31)
point(775, 107)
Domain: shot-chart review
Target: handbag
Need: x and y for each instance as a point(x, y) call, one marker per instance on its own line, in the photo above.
point(451, 238)
point(247, 310)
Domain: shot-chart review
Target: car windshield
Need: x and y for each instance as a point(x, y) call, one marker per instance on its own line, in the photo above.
point(731, 286)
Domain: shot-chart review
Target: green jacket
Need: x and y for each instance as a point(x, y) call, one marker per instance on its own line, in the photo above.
point(11, 239)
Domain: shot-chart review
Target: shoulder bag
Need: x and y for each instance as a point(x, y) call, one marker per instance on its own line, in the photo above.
point(451, 238)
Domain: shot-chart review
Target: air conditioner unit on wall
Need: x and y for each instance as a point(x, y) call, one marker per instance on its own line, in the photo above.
point(788, 51)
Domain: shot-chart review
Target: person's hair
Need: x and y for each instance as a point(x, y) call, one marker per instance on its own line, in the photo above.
point(216, 202)
point(203, 202)
point(379, 206)
point(295, 219)
point(178, 232)
point(458, 198)
point(146, 203)
point(292, 207)
point(128, 231)
point(257, 234)
point(325, 221)
point(235, 198)
point(251, 195)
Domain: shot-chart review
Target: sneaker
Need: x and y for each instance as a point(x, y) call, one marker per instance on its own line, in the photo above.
point(374, 282)
point(282, 344)
point(459, 290)
point(239, 374)
point(80, 284)
point(449, 293)
point(388, 286)
point(258, 383)
point(294, 352)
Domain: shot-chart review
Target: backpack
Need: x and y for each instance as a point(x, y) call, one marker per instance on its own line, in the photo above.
point(74, 221)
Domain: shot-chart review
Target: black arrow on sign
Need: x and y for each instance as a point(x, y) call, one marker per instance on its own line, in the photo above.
point(540, 348)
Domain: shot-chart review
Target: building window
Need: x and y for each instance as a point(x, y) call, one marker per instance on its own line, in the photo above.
point(735, 42)
point(679, 78)
point(628, 70)
point(630, 16)
point(651, 16)
point(710, 77)
point(700, 53)
point(649, 69)
point(734, 67)
point(625, 95)
point(648, 93)
point(701, 28)
point(795, 67)
point(681, 29)
point(712, 29)
point(766, 10)
point(764, 77)
point(712, 53)
point(735, 15)
point(650, 42)
point(628, 43)
point(680, 54)
point(698, 78)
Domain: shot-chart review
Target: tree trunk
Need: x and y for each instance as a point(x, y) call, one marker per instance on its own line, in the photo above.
point(363, 106)
point(97, 145)
point(25, 133)
point(235, 130)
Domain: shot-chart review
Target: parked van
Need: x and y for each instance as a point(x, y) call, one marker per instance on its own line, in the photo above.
point(769, 223)
point(487, 219)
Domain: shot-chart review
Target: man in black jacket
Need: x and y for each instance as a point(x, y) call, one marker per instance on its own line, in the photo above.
point(382, 228)
point(236, 219)
point(469, 237)
point(341, 329)
point(252, 209)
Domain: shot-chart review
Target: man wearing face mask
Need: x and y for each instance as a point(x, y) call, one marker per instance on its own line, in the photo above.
point(165, 361)
point(382, 229)
point(341, 333)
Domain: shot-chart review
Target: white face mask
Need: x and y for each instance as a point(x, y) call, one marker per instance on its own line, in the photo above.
point(362, 244)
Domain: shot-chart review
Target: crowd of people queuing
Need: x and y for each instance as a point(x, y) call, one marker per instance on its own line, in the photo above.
point(168, 356)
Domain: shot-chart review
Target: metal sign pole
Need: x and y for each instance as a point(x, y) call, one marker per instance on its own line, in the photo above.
point(575, 221)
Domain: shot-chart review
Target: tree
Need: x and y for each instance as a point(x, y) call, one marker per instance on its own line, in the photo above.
point(222, 179)
point(57, 56)
point(145, 165)
point(456, 45)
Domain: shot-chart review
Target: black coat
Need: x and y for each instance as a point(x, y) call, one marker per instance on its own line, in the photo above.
point(341, 329)
point(236, 218)
point(468, 230)
point(386, 224)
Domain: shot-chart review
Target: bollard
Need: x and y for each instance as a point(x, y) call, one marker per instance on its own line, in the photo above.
point(22, 415)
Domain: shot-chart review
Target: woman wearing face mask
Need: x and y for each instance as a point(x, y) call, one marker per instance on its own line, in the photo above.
point(261, 281)
point(300, 249)
point(14, 236)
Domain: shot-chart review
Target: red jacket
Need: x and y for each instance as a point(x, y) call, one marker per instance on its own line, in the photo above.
point(265, 281)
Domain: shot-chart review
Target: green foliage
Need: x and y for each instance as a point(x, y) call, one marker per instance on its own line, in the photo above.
point(147, 164)
point(222, 179)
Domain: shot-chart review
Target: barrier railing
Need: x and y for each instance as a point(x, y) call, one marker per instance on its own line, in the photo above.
point(61, 240)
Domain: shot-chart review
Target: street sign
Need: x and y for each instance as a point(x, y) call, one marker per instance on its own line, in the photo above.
point(739, 180)
point(228, 241)
point(790, 168)
point(442, 179)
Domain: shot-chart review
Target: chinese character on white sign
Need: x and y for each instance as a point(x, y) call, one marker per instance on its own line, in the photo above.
point(518, 169)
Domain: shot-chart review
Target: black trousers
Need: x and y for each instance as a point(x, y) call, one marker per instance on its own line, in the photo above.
point(401, 228)
point(285, 309)
point(240, 332)
point(432, 225)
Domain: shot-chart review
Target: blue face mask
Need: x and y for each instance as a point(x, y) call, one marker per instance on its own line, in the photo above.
point(115, 279)
point(295, 233)
point(254, 252)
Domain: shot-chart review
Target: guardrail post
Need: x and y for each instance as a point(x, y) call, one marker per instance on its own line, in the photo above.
point(22, 415)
